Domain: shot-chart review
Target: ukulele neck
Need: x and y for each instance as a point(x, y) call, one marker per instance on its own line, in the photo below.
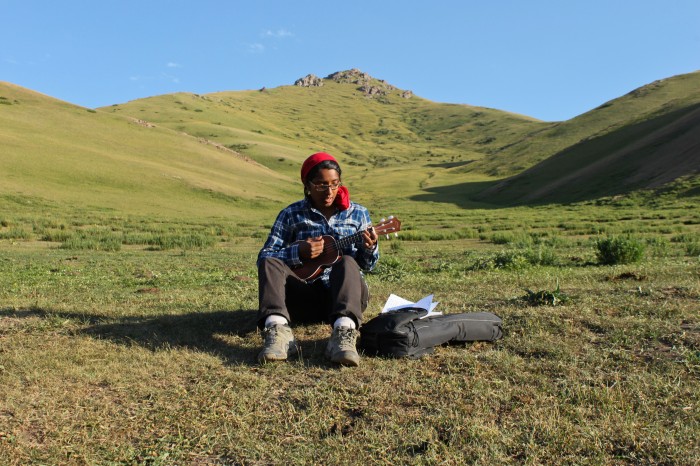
point(348, 240)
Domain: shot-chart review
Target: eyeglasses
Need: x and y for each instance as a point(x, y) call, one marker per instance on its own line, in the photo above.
point(324, 187)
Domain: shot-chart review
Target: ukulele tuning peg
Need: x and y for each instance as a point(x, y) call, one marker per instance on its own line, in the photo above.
point(382, 220)
point(396, 235)
point(387, 237)
point(391, 217)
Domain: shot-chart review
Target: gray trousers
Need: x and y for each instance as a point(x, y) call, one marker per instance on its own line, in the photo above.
point(281, 292)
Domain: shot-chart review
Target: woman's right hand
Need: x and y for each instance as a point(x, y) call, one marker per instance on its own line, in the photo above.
point(311, 248)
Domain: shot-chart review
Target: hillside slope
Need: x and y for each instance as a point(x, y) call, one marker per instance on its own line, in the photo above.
point(234, 152)
point(60, 152)
point(647, 102)
point(419, 145)
point(364, 121)
point(647, 154)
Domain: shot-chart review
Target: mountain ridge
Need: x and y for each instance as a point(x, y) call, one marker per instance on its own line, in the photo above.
point(468, 142)
point(245, 147)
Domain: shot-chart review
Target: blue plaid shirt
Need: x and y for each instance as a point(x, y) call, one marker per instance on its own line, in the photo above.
point(300, 221)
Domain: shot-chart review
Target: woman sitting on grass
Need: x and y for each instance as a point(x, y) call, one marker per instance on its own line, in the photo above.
point(339, 295)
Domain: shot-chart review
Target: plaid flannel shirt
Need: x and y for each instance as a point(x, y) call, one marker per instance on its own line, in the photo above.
point(300, 221)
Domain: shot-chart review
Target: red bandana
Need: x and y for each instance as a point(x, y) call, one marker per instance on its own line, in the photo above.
point(342, 198)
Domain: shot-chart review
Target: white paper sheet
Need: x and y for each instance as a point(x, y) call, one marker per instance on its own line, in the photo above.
point(395, 303)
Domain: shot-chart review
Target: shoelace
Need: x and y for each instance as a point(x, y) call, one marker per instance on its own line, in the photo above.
point(346, 337)
point(270, 333)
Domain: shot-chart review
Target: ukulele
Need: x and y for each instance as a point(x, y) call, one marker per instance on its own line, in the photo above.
point(332, 249)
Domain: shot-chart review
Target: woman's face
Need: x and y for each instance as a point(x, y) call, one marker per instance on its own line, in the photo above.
point(323, 188)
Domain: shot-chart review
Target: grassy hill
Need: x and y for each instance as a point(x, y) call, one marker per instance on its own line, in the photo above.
point(56, 152)
point(391, 146)
point(648, 154)
point(238, 153)
point(430, 151)
point(642, 140)
point(648, 102)
point(278, 127)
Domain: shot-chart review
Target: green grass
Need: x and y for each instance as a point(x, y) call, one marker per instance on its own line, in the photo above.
point(147, 356)
point(128, 290)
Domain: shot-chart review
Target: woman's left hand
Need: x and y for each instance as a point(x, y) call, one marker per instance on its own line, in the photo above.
point(370, 238)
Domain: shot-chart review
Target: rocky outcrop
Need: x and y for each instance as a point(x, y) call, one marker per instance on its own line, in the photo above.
point(365, 83)
point(372, 91)
point(310, 80)
point(353, 76)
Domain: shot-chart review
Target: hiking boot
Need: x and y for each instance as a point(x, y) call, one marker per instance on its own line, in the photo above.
point(279, 344)
point(341, 346)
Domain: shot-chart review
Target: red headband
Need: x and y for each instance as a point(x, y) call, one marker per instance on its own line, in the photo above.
point(312, 161)
point(342, 198)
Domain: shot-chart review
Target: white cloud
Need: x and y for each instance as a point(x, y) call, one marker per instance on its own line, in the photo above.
point(259, 47)
point(173, 65)
point(256, 48)
point(278, 34)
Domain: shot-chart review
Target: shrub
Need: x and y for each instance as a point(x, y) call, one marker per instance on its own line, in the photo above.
point(684, 238)
point(501, 238)
point(391, 269)
point(542, 255)
point(659, 246)
point(94, 242)
point(619, 250)
point(396, 246)
point(692, 249)
point(15, 233)
point(133, 238)
point(58, 236)
point(545, 297)
point(514, 260)
point(184, 241)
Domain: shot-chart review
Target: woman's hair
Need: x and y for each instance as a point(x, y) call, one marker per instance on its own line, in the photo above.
point(328, 164)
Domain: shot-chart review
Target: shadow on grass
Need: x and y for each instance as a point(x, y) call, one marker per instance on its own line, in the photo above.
point(639, 156)
point(460, 195)
point(224, 334)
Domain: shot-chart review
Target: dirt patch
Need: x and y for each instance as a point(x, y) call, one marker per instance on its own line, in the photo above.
point(152, 290)
point(628, 276)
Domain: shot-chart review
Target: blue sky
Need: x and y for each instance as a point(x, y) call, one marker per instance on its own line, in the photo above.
point(551, 60)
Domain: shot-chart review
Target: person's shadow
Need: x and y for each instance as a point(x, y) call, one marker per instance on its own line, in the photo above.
point(221, 333)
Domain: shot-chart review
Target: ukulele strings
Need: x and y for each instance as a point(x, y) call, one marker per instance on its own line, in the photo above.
point(335, 245)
